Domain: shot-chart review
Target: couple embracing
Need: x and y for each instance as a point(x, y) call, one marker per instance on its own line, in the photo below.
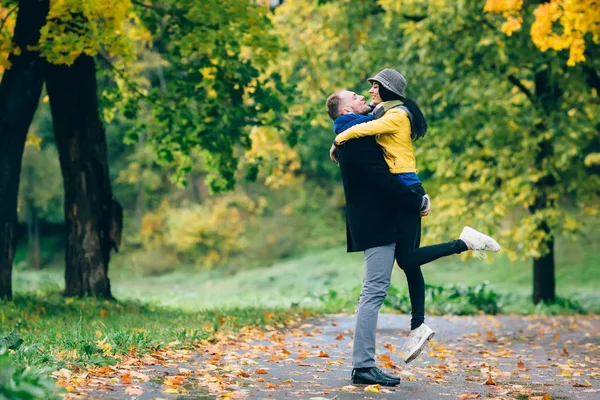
point(385, 202)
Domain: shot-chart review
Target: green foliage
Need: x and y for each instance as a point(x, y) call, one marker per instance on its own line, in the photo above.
point(24, 383)
point(211, 85)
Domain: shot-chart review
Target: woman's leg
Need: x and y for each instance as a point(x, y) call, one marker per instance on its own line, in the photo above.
point(416, 291)
point(415, 257)
point(411, 239)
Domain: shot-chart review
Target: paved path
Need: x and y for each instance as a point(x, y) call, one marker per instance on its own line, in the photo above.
point(519, 358)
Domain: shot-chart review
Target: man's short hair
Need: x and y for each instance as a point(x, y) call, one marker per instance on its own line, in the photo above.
point(334, 105)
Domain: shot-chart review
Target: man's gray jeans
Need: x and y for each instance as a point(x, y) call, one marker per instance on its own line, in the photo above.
point(379, 263)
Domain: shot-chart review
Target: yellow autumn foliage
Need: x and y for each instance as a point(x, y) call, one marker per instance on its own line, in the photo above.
point(203, 234)
point(558, 25)
point(279, 163)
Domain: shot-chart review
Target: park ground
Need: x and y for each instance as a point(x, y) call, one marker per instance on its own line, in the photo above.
point(260, 332)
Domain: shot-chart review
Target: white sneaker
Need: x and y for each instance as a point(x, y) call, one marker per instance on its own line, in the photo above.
point(416, 342)
point(478, 242)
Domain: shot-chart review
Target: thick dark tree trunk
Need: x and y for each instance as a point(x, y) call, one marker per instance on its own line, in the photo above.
point(93, 218)
point(544, 283)
point(548, 95)
point(33, 237)
point(19, 96)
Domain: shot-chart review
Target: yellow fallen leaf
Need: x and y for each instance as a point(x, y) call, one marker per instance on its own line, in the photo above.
point(69, 388)
point(260, 379)
point(373, 388)
point(171, 391)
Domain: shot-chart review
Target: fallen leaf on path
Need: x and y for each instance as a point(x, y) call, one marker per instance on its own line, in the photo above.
point(349, 388)
point(126, 379)
point(490, 380)
point(468, 396)
point(261, 371)
point(322, 354)
point(565, 352)
point(134, 391)
point(520, 365)
point(339, 337)
point(270, 385)
point(373, 388)
point(545, 396)
point(171, 391)
point(260, 379)
point(390, 347)
point(586, 384)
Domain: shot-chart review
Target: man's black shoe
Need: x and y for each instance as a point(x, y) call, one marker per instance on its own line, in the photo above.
point(372, 376)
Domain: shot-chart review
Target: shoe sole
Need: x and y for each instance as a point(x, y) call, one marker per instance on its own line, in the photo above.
point(420, 349)
point(375, 383)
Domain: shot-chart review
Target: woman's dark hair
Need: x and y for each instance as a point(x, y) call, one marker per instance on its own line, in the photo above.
point(417, 119)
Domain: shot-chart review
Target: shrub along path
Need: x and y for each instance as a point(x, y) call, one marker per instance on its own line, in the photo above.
point(502, 357)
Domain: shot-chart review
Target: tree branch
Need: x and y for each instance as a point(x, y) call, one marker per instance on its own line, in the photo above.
point(414, 18)
point(520, 85)
point(131, 85)
point(179, 14)
point(12, 10)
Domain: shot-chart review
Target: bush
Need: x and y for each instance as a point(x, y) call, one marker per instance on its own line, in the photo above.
point(23, 383)
point(450, 299)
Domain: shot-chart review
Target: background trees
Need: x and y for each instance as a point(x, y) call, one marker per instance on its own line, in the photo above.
point(212, 93)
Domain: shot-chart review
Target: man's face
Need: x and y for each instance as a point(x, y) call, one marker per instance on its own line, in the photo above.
point(353, 103)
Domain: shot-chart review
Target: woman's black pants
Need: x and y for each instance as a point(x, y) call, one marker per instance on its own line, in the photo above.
point(410, 257)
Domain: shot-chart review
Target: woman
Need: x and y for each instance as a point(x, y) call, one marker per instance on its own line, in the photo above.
point(398, 121)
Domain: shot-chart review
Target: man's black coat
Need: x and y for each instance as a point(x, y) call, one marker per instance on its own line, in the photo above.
point(373, 195)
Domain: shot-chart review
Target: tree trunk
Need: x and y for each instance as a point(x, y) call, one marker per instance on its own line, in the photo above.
point(548, 95)
point(20, 91)
point(544, 284)
point(33, 237)
point(93, 218)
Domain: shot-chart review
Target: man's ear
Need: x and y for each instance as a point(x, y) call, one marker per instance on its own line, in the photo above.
point(346, 110)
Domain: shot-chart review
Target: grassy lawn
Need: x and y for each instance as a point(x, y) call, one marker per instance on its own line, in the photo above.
point(300, 280)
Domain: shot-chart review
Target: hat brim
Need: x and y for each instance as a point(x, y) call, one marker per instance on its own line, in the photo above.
point(385, 85)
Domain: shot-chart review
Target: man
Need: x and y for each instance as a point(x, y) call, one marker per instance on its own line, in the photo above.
point(373, 195)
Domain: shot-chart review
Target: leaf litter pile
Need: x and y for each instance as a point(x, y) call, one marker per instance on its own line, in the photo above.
point(484, 357)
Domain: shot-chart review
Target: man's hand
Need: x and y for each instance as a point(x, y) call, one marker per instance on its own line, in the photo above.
point(333, 153)
point(425, 212)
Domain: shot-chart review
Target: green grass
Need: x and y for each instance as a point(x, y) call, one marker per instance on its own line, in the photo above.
point(302, 280)
point(58, 331)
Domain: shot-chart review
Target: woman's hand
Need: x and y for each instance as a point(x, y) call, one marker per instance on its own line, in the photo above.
point(333, 153)
point(425, 212)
